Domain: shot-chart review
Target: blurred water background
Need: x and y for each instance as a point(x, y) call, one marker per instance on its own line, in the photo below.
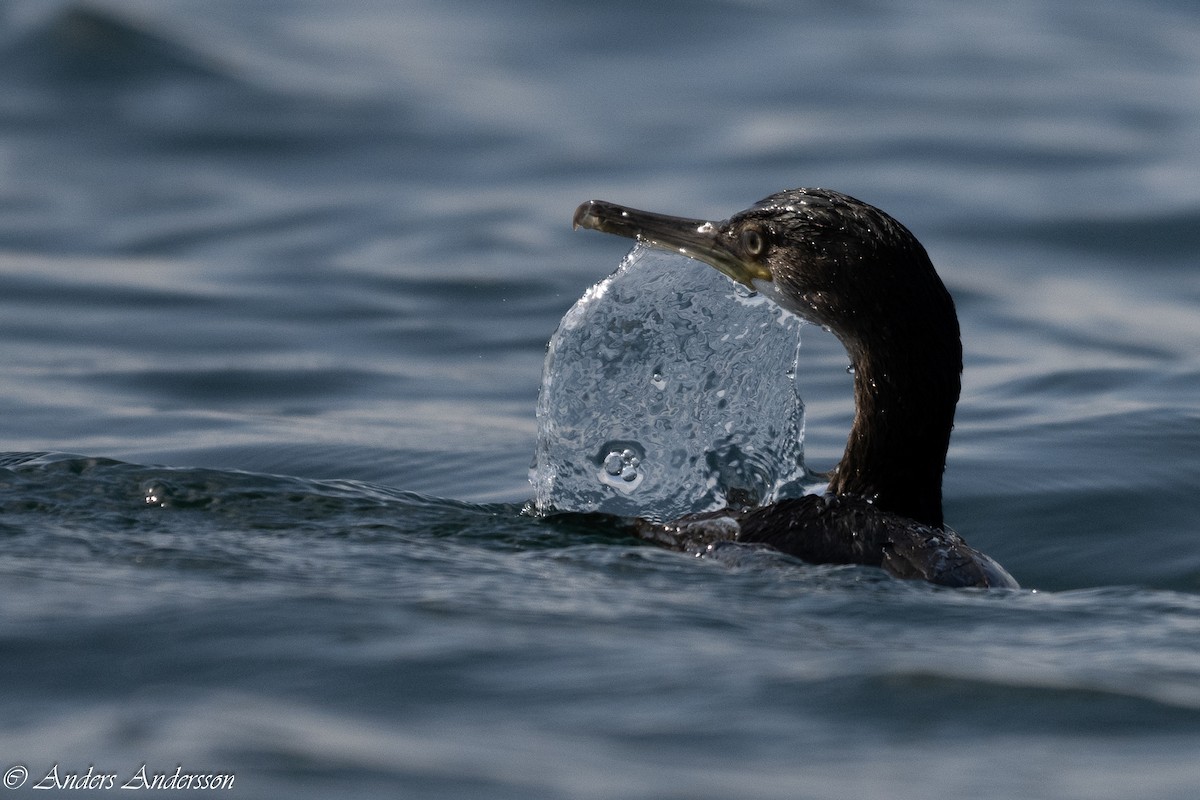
point(276, 280)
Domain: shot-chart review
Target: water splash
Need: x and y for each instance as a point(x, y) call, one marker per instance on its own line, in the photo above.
point(668, 389)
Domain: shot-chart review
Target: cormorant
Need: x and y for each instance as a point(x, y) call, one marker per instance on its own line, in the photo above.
point(852, 269)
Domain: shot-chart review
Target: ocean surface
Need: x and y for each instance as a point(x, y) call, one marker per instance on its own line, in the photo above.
point(276, 283)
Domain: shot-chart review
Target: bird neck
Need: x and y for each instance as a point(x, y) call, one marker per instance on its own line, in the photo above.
point(906, 387)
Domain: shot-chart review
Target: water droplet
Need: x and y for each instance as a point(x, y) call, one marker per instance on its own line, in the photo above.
point(155, 496)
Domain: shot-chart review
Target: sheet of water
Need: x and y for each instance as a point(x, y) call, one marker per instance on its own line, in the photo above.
point(667, 389)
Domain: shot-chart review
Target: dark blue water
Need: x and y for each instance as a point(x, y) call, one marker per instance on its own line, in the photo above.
point(276, 281)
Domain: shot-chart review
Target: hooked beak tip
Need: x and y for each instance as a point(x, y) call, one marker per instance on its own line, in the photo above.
point(583, 215)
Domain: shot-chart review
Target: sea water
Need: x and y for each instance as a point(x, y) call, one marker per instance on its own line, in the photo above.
point(276, 283)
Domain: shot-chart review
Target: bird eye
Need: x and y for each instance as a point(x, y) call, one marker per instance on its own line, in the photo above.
point(753, 242)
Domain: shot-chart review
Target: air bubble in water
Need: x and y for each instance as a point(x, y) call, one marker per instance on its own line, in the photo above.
point(620, 464)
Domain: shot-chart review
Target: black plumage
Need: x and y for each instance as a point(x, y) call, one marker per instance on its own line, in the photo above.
point(849, 267)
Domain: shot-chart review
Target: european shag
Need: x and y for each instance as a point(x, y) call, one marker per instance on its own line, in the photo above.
point(852, 269)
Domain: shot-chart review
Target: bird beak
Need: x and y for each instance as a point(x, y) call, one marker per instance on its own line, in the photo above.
point(694, 238)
